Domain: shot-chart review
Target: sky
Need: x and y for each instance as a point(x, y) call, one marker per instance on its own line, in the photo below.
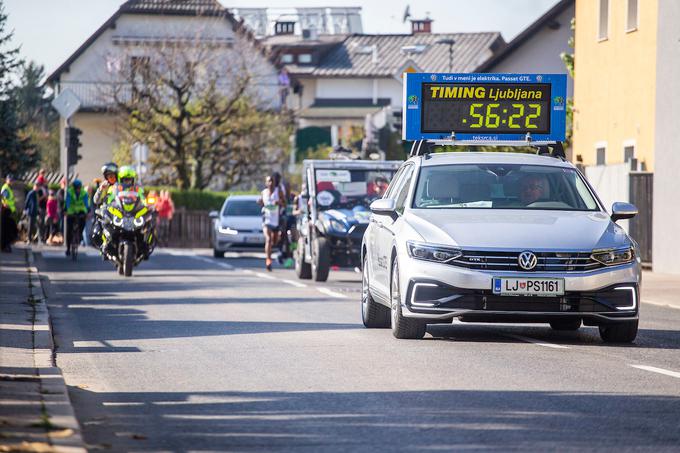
point(49, 31)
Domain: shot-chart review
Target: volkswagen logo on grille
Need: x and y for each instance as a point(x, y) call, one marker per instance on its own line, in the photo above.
point(527, 260)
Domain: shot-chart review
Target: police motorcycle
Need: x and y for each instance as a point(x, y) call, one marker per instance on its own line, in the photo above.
point(128, 228)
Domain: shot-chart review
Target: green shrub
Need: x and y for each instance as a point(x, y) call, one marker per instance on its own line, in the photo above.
point(198, 200)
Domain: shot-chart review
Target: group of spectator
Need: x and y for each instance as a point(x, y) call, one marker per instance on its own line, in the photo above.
point(41, 218)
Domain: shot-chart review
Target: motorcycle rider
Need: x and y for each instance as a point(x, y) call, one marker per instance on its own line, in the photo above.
point(126, 183)
point(105, 189)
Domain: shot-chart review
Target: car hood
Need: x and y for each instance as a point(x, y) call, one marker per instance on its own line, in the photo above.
point(517, 229)
point(349, 217)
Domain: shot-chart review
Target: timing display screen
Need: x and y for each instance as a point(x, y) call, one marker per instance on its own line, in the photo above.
point(502, 108)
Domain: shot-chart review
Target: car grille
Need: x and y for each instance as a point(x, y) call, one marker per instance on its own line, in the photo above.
point(508, 261)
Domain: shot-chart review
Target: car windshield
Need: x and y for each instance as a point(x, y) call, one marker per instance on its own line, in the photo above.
point(339, 188)
point(497, 186)
point(242, 208)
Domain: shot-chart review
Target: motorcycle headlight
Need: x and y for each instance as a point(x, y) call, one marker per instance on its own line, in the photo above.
point(612, 257)
point(117, 221)
point(435, 253)
point(139, 221)
point(336, 225)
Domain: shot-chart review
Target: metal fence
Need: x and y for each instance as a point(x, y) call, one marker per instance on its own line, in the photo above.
point(187, 229)
point(640, 226)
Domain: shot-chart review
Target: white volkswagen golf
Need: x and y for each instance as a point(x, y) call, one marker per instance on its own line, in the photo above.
point(498, 237)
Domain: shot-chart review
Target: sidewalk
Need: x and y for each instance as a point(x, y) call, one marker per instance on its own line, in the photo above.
point(661, 289)
point(35, 410)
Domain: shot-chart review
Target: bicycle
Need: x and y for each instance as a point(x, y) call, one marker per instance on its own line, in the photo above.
point(76, 234)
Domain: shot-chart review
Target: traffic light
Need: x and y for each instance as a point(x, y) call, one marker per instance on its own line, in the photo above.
point(72, 135)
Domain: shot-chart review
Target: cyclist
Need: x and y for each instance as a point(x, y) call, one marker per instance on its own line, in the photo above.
point(77, 206)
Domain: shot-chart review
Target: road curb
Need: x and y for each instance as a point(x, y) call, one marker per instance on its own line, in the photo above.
point(62, 427)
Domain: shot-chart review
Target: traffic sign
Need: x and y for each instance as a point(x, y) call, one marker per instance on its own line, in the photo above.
point(484, 107)
point(66, 103)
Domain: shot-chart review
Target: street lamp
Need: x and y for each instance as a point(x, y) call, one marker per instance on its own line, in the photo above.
point(450, 42)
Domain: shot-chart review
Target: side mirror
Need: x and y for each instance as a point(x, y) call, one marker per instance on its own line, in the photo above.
point(385, 206)
point(622, 211)
point(213, 214)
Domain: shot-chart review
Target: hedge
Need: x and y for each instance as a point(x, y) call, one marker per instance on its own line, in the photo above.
point(198, 200)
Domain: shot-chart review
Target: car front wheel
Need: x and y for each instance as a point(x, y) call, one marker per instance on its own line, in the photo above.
point(621, 332)
point(373, 314)
point(402, 328)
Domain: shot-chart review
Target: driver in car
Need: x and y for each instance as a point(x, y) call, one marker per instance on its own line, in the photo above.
point(532, 188)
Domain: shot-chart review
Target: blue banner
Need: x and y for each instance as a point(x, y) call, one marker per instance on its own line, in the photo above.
point(484, 107)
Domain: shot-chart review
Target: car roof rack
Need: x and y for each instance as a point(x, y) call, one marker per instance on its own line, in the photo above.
point(552, 149)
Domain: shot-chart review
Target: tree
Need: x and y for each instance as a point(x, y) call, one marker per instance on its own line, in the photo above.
point(200, 116)
point(39, 120)
point(16, 153)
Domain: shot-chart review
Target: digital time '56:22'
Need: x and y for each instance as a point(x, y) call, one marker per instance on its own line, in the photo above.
point(490, 116)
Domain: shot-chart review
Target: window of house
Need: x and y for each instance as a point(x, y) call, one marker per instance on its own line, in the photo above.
point(287, 58)
point(603, 30)
point(632, 17)
point(628, 153)
point(600, 155)
point(139, 64)
point(305, 58)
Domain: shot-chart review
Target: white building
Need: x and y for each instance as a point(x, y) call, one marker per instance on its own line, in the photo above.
point(136, 31)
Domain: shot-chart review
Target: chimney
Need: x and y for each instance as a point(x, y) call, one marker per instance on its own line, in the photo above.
point(284, 27)
point(421, 26)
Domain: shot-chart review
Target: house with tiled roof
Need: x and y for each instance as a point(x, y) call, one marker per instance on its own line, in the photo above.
point(137, 30)
point(537, 48)
point(356, 84)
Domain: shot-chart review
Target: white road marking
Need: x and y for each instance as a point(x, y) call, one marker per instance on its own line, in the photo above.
point(330, 292)
point(536, 342)
point(294, 283)
point(211, 261)
point(27, 327)
point(654, 369)
point(265, 276)
point(659, 304)
point(115, 403)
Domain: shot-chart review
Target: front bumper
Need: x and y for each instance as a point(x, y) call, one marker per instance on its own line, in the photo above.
point(253, 239)
point(439, 291)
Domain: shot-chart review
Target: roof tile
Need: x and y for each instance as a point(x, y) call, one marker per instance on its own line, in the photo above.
point(354, 58)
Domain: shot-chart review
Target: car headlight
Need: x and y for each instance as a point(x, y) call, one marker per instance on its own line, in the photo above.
point(338, 226)
point(612, 257)
point(139, 221)
point(430, 252)
point(117, 221)
point(228, 230)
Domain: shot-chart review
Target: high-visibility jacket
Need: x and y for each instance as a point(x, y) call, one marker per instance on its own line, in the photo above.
point(112, 194)
point(8, 197)
point(76, 203)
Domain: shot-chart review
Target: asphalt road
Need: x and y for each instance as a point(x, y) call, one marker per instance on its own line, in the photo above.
point(199, 354)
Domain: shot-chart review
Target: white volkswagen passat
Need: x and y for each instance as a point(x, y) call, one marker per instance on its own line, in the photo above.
point(498, 237)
